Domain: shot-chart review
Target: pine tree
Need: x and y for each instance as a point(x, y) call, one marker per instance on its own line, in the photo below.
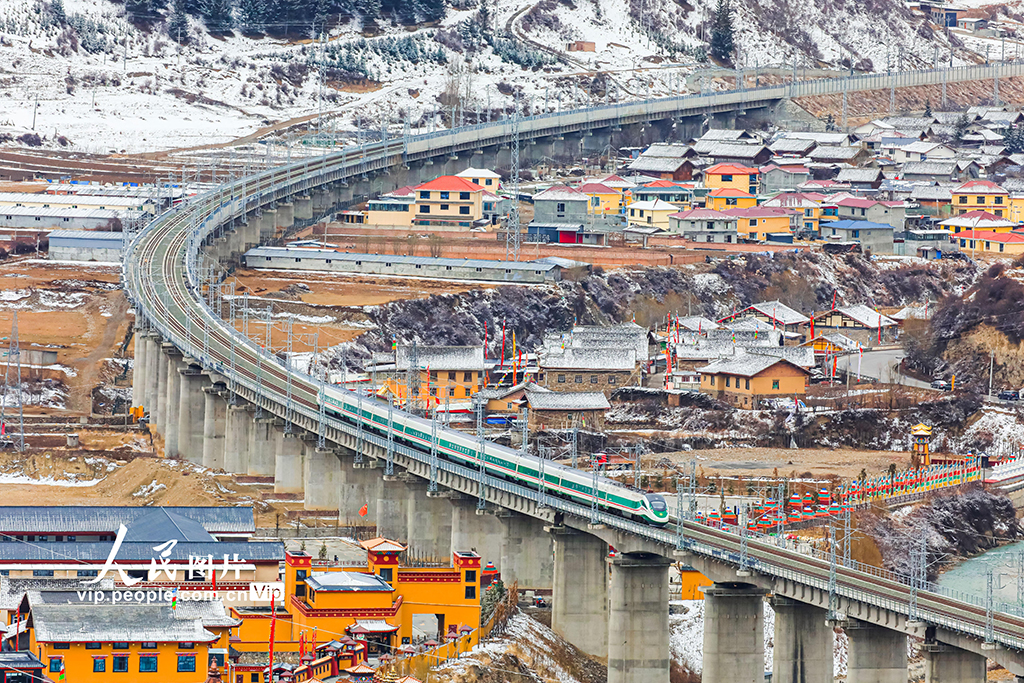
point(217, 15)
point(722, 34)
point(57, 10)
point(1013, 139)
point(960, 127)
point(928, 108)
point(253, 15)
point(177, 26)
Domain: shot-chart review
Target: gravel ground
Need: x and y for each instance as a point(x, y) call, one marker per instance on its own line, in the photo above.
point(819, 462)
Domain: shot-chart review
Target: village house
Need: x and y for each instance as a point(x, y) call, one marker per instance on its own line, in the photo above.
point(775, 314)
point(723, 198)
point(809, 205)
point(758, 222)
point(922, 151)
point(448, 202)
point(874, 237)
point(746, 380)
point(792, 147)
point(454, 372)
point(857, 209)
point(653, 213)
point(942, 170)
point(587, 369)
point(980, 194)
point(860, 323)
point(666, 160)
point(565, 409)
point(861, 178)
point(566, 215)
point(780, 177)
point(733, 176)
point(730, 153)
point(990, 241)
point(603, 199)
point(826, 154)
point(680, 196)
point(487, 179)
point(704, 225)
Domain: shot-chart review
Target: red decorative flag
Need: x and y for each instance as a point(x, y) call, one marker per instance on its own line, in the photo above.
point(363, 510)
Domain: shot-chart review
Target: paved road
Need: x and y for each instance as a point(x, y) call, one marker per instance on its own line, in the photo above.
point(881, 365)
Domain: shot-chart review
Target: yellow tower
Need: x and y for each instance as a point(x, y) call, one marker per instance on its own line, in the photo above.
point(922, 435)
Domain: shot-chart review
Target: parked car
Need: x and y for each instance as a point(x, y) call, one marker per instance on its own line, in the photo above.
point(1012, 395)
point(940, 384)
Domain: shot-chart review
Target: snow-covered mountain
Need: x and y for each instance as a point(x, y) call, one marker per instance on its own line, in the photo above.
point(82, 75)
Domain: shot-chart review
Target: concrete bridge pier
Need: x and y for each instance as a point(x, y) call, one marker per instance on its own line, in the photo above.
point(321, 477)
point(579, 609)
point(947, 664)
point(877, 654)
point(262, 448)
point(803, 643)
point(171, 432)
point(392, 507)
point(479, 533)
point(288, 463)
point(285, 215)
point(430, 523)
point(638, 649)
point(236, 437)
point(138, 366)
point(151, 356)
point(191, 408)
point(214, 424)
point(160, 391)
point(357, 487)
point(303, 207)
point(252, 232)
point(268, 225)
point(321, 202)
point(527, 553)
point(734, 634)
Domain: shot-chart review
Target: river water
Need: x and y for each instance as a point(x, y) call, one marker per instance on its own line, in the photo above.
point(970, 576)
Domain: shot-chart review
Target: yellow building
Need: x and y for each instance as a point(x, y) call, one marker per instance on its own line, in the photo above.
point(807, 204)
point(652, 214)
point(723, 198)
point(94, 641)
point(745, 380)
point(756, 223)
point(732, 176)
point(981, 194)
point(448, 202)
point(395, 209)
point(487, 179)
point(988, 241)
point(603, 199)
point(452, 372)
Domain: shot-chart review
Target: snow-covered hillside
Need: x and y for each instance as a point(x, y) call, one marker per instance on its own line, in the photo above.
point(83, 76)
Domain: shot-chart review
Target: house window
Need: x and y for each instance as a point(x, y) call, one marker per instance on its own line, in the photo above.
point(775, 384)
point(560, 207)
point(62, 646)
point(387, 573)
point(748, 384)
point(999, 212)
point(424, 194)
point(42, 572)
point(120, 646)
point(561, 379)
point(463, 195)
point(147, 664)
point(730, 201)
point(186, 646)
point(980, 199)
point(148, 645)
point(56, 664)
point(712, 380)
point(963, 200)
point(187, 663)
point(120, 664)
point(470, 576)
point(464, 210)
point(99, 664)
point(444, 207)
point(753, 222)
point(444, 195)
point(471, 592)
point(1001, 246)
point(727, 381)
point(424, 208)
point(488, 181)
point(726, 178)
point(988, 246)
point(94, 646)
point(856, 234)
point(451, 390)
point(999, 200)
point(467, 377)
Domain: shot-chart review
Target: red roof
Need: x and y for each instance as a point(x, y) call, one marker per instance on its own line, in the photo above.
point(702, 214)
point(729, 192)
point(792, 168)
point(729, 169)
point(857, 202)
point(450, 182)
point(979, 187)
point(662, 183)
point(596, 188)
point(991, 236)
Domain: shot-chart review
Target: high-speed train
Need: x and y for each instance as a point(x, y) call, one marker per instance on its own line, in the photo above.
point(499, 461)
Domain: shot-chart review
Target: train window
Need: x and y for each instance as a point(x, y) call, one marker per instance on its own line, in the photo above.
point(561, 379)
point(578, 379)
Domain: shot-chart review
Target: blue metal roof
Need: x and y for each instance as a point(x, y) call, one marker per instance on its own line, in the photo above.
point(70, 519)
point(257, 551)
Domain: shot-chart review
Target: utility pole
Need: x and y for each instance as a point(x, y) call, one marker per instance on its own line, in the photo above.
point(991, 369)
point(512, 237)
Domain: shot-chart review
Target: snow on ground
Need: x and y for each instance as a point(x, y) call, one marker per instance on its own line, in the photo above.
point(1002, 427)
point(46, 481)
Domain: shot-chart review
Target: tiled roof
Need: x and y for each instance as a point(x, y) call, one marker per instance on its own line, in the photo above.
point(382, 545)
point(866, 316)
point(714, 148)
point(657, 164)
point(820, 138)
point(797, 355)
point(745, 365)
point(450, 182)
point(567, 400)
point(857, 202)
point(696, 322)
point(347, 582)
point(760, 212)
point(840, 340)
point(441, 357)
point(73, 519)
point(834, 153)
point(931, 192)
point(856, 225)
point(796, 200)
point(477, 173)
point(88, 622)
point(596, 188)
point(603, 359)
point(939, 167)
point(725, 134)
point(728, 192)
point(703, 215)
point(730, 169)
point(792, 145)
point(978, 220)
point(561, 193)
point(655, 205)
point(780, 312)
point(859, 175)
point(979, 187)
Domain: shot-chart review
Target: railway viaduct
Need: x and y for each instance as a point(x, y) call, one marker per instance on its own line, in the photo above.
point(219, 399)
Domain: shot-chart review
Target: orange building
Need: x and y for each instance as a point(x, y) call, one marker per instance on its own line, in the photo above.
point(376, 604)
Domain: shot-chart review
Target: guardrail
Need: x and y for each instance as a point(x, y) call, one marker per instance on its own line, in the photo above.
point(154, 290)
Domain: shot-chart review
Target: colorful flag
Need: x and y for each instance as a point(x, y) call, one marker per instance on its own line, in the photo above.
point(394, 342)
point(174, 599)
point(363, 510)
point(62, 677)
